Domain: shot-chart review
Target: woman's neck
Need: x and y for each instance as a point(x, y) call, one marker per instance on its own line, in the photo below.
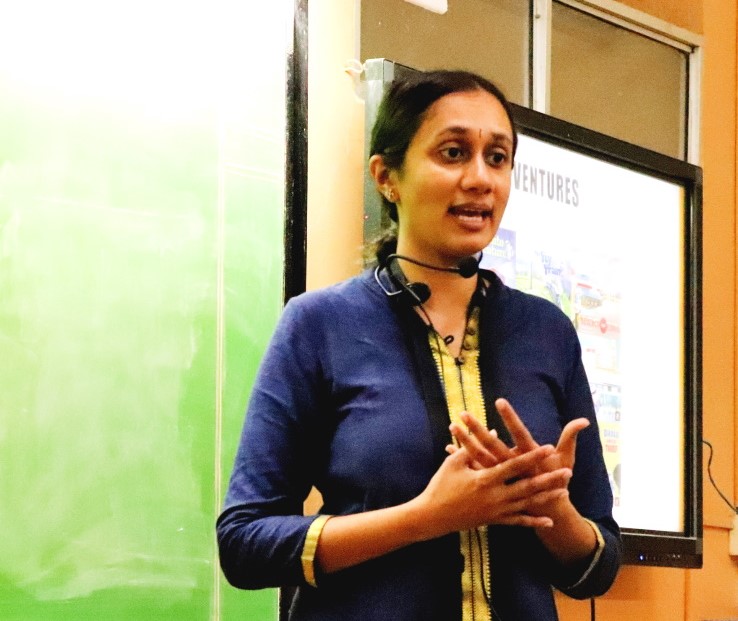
point(448, 304)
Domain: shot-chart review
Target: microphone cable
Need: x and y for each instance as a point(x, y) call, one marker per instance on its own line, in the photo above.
point(487, 597)
point(466, 267)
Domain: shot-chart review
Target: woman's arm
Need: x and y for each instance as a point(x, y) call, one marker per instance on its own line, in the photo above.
point(261, 531)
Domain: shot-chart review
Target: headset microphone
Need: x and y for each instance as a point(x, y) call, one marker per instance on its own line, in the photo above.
point(417, 293)
point(466, 268)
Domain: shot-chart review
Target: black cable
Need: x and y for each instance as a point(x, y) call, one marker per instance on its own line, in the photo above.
point(478, 539)
point(419, 303)
point(487, 598)
point(733, 508)
point(437, 337)
point(471, 577)
point(592, 613)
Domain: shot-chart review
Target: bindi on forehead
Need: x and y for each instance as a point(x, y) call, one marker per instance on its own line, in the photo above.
point(491, 135)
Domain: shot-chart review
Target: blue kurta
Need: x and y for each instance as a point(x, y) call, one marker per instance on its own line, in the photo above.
point(348, 399)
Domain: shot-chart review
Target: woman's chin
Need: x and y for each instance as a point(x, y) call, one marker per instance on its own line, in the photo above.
point(472, 247)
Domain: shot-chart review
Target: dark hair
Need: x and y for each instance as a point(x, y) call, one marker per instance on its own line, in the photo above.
point(401, 113)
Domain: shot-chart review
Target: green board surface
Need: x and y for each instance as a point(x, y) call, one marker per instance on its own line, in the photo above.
point(141, 266)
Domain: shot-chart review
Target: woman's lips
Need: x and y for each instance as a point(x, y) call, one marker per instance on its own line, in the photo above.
point(471, 213)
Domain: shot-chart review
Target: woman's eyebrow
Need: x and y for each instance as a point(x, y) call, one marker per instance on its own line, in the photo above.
point(460, 130)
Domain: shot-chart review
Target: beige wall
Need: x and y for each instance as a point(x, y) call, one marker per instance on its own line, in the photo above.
point(336, 147)
point(334, 239)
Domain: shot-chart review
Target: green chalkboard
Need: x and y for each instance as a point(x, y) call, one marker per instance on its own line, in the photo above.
point(141, 269)
point(106, 324)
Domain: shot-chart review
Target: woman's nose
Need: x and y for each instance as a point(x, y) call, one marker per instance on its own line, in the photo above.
point(478, 175)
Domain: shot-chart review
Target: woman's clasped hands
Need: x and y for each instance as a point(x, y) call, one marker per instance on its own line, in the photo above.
point(484, 481)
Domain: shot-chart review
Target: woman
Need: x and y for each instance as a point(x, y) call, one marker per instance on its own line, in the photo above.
point(381, 392)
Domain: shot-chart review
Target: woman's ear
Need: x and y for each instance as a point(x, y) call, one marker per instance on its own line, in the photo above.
point(381, 175)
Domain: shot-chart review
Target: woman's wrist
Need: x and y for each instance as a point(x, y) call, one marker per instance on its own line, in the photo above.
point(572, 538)
point(352, 539)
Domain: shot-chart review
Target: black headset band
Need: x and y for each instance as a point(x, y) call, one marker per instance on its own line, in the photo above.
point(416, 293)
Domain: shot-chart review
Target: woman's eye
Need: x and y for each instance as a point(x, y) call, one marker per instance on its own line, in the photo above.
point(497, 158)
point(453, 153)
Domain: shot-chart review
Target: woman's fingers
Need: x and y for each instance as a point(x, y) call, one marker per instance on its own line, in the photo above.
point(506, 493)
point(519, 432)
point(488, 450)
point(538, 504)
point(528, 497)
point(473, 443)
point(473, 463)
point(539, 485)
point(567, 444)
point(522, 519)
point(487, 437)
point(521, 466)
point(535, 501)
point(523, 511)
point(518, 485)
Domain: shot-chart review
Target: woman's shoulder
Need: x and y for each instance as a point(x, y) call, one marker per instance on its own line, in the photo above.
point(520, 307)
point(336, 313)
point(355, 288)
point(358, 293)
point(516, 297)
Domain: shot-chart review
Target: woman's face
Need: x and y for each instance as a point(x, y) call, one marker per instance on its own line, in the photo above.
point(454, 184)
